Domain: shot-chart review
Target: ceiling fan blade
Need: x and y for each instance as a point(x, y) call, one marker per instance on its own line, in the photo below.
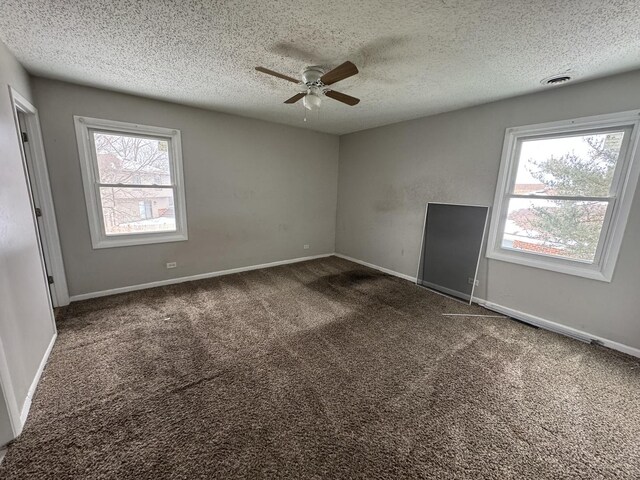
point(276, 74)
point(346, 70)
point(342, 97)
point(296, 97)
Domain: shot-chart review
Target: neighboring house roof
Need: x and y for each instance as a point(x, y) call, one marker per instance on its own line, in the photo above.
point(528, 188)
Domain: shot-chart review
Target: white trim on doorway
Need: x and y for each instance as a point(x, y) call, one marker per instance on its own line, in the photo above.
point(41, 188)
point(36, 379)
point(18, 416)
point(9, 399)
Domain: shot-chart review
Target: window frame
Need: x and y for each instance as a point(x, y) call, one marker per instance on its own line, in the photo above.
point(84, 127)
point(623, 187)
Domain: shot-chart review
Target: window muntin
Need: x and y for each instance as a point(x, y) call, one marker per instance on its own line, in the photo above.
point(564, 193)
point(133, 182)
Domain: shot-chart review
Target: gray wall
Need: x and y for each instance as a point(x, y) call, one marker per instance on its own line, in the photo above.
point(256, 191)
point(25, 312)
point(388, 174)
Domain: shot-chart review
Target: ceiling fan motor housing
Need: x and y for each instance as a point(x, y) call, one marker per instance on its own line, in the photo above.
point(311, 77)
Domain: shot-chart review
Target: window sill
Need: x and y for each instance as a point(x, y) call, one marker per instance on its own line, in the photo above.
point(577, 269)
point(140, 239)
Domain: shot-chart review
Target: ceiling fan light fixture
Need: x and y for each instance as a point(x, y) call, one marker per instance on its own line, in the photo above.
point(312, 101)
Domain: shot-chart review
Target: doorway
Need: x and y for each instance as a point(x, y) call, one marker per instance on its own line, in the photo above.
point(36, 172)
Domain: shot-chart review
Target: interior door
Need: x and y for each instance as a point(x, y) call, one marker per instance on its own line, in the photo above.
point(35, 202)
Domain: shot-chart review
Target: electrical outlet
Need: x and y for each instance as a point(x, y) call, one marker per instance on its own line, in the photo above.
point(472, 282)
point(172, 265)
point(306, 247)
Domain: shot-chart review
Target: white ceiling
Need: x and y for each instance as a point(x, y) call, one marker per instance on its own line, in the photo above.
point(415, 57)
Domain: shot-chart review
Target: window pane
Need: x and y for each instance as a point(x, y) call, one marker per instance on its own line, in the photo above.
point(579, 165)
point(559, 228)
point(132, 160)
point(129, 210)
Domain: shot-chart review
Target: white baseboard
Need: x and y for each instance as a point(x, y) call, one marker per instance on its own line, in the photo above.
point(34, 384)
point(376, 267)
point(524, 317)
point(557, 327)
point(200, 276)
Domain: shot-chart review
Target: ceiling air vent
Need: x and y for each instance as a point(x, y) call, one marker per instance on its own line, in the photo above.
point(556, 79)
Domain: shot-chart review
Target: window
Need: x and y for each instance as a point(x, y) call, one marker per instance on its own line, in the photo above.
point(133, 183)
point(564, 194)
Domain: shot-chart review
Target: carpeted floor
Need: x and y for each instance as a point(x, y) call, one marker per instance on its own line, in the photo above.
point(323, 369)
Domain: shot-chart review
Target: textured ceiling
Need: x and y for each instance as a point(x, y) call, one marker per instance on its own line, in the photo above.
point(415, 57)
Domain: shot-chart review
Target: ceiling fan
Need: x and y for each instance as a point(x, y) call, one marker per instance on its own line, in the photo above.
point(316, 84)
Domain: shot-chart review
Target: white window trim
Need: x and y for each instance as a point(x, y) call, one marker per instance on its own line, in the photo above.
point(88, 166)
point(611, 239)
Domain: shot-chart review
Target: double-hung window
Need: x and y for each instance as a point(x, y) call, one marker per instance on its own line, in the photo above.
point(133, 182)
point(564, 194)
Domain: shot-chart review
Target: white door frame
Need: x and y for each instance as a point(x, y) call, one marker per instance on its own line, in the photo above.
point(36, 165)
point(9, 399)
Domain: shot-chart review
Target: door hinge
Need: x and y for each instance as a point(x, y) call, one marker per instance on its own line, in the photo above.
point(38, 212)
point(25, 137)
point(50, 279)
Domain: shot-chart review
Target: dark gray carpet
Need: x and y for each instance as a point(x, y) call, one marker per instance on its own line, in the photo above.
point(323, 369)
